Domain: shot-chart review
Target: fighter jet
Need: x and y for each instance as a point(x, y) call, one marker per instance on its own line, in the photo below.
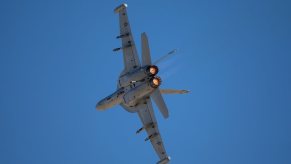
point(138, 84)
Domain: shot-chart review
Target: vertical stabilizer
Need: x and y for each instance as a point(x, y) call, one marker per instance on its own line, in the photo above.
point(146, 56)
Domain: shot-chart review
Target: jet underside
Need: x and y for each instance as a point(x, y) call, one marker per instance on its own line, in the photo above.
point(138, 84)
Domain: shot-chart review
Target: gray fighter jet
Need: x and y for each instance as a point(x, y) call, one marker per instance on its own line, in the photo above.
point(138, 83)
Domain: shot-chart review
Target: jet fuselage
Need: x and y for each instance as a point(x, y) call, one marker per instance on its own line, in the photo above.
point(132, 87)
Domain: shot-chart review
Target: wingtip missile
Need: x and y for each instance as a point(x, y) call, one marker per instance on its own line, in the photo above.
point(120, 7)
point(165, 160)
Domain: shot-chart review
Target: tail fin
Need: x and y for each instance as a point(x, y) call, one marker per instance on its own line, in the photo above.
point(146, 56)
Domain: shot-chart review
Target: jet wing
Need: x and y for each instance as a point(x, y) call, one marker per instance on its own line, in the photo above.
point(130, 57)
point(146, 114)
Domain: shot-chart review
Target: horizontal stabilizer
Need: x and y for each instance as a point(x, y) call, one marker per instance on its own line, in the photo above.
point(173, 91)
point(158, 99)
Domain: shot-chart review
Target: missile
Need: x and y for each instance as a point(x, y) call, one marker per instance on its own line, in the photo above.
point(139, 130)
point(150, 125)
point(165, 160)
point(151, 136)
point(120, 8)
point(117, 49)
point(122, 36)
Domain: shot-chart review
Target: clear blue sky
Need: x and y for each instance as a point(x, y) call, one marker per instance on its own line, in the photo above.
point(56, 61)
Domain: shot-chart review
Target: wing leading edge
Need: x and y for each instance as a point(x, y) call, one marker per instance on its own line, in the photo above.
point(146, 114)
point(130, 56)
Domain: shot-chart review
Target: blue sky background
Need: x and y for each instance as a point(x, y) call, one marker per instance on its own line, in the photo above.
point(56, 61)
